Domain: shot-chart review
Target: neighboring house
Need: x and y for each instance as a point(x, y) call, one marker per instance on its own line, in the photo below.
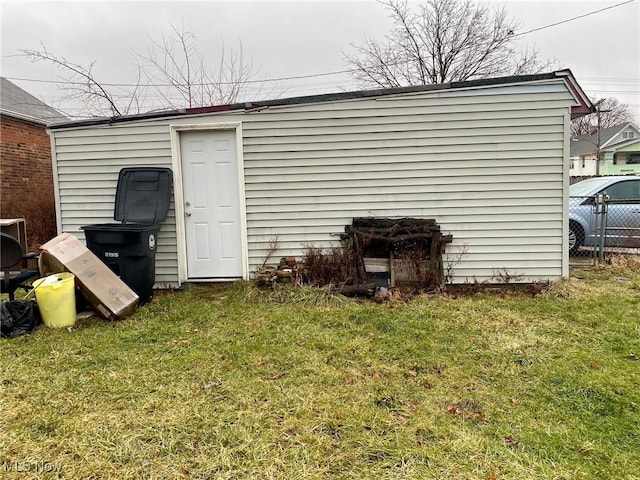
point(487, 159)
point(25, 166)
point(619, 152)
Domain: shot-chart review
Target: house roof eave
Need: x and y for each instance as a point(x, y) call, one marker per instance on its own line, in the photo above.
point(622, 127)
point(618, 146)
point(583, 105)
point(19, 116)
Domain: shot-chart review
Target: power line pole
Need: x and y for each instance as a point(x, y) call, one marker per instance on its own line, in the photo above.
point(598, 138)
point(598, 152)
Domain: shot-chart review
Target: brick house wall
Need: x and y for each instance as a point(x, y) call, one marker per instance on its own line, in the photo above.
point(27, 178)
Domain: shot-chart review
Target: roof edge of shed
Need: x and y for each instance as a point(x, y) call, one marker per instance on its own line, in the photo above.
point(582, 106)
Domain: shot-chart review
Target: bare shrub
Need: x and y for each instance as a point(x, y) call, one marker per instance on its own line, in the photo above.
point(272, 247)
point(455, 261)
point(503, 275)
point(335, 266)
point(39, 214)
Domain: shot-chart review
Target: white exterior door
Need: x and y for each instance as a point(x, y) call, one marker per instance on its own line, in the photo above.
point(211, 204)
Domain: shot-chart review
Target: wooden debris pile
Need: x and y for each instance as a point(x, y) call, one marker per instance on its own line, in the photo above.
point(289, 270)
point(377, 252)
point(406, 250)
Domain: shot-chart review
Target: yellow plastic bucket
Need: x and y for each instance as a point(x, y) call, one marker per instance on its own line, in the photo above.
point(56, 297)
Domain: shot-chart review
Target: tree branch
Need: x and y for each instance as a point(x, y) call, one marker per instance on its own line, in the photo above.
point(91, 87)
point(443, 41)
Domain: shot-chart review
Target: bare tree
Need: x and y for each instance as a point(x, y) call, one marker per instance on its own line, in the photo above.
point(612, 112)
point(442, 41)
point(178, 73)
point(172, 74)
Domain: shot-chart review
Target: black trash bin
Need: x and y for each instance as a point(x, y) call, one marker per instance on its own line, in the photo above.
point(129, 248)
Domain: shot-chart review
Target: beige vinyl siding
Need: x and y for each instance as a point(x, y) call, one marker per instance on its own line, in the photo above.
point(488, 168)
point(486, 163)
point(88, 162)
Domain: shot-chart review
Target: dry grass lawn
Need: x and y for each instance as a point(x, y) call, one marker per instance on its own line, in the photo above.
point(236, 383)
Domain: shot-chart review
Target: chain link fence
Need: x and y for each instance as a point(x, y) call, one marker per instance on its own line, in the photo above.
point(601, 226)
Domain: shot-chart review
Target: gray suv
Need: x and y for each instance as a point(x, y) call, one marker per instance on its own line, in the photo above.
point(623, 212)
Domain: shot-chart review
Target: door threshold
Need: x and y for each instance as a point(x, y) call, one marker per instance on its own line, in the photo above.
point(213, 280)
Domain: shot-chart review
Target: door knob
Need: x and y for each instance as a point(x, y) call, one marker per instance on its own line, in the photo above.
point(187, 213)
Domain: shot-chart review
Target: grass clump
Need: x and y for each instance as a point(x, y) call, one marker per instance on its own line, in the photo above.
point(243, 383)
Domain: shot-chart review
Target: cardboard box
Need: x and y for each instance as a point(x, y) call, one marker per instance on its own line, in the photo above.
point(107, 294)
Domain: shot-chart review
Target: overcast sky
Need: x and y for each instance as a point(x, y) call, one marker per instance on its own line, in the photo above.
point(297, 38)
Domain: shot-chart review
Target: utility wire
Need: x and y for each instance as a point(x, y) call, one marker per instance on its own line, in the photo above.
point(294, 77)
point(572, 19)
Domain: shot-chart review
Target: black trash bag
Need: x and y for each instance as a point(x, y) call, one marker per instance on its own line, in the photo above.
point(18, 317)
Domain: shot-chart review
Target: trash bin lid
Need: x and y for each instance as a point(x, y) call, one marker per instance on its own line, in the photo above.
point(143, 194)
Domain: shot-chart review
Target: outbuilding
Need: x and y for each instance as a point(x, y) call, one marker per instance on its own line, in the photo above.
point(487, 159)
